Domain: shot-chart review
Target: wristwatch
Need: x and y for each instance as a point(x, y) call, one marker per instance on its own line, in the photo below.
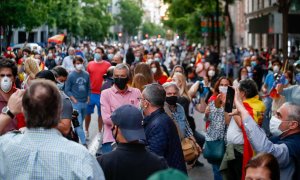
point(5, 110)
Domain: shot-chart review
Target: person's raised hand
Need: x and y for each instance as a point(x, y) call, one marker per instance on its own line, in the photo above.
point(239, 103)
point(15, 101)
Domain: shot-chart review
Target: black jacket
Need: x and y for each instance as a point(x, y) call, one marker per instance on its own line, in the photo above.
point(130, 161)
point(163, 139)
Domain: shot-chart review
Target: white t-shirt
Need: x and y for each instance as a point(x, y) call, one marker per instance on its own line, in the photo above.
point(234, 133)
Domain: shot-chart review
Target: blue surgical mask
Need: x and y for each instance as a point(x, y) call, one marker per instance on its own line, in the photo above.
point(253, 63)
point(110, 56)
point(97, 56)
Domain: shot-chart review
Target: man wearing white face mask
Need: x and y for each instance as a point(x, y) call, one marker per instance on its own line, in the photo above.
point(8, 73)
point(77, 87)
point(285, 146)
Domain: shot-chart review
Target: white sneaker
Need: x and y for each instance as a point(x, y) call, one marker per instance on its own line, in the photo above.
point(86, 135)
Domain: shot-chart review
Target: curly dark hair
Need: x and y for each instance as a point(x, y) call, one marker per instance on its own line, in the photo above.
point(7, 63)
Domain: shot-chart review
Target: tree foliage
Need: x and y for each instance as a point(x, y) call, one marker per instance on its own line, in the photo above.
point(84, 18)
point(152, 29)
point(130, 16)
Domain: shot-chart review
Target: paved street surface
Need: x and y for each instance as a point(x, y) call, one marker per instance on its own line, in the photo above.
point(196, 173)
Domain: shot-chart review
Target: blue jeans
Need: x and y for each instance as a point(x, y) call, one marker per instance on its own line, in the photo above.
point(267, 115)
point(81, 108)
point(217, 174)
point(105, 148)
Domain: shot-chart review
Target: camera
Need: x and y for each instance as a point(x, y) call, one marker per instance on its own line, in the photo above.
point(74, 119)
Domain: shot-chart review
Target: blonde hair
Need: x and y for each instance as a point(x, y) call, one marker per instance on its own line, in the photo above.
point(183, 90)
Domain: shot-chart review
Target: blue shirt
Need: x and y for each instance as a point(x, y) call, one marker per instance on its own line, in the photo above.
point(45, 154)
point(261, 143)
point(78, 85)
point(269, 81)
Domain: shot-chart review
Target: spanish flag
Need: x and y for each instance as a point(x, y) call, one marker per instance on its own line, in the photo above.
point(198, 59)
point(255, 108)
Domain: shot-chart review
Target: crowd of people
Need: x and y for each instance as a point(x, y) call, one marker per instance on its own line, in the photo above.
point(146, 96)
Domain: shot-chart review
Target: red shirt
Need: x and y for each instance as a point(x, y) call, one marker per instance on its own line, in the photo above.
point(96, 71)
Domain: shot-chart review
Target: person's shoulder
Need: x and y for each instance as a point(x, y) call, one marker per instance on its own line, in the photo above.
point(11, 136)
point(135, 90)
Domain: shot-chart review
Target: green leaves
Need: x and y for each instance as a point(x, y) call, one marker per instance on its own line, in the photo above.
point(130, 16)
point(152, 29)
point(88, 18)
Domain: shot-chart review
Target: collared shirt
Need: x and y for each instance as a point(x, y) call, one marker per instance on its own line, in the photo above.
point(110, 100)
point(45, 154)
point(261, 143)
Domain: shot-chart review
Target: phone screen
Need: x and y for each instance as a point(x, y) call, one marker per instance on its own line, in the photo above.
point(229, 99)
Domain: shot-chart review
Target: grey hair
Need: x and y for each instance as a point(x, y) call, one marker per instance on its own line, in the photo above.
point(71, 49)
point(171, 84)
point(123, 66)
point(155, 94)
point(293, 112)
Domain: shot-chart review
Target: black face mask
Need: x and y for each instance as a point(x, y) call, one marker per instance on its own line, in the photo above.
point(113, 63)
point(171, 100)
point(121, 82)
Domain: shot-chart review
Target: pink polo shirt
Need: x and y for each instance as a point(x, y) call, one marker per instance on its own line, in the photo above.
point(110, 100)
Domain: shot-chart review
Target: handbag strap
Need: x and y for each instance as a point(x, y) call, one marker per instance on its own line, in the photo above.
point(170, 114)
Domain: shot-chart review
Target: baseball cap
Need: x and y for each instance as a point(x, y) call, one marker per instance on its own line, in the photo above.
point(129, 119)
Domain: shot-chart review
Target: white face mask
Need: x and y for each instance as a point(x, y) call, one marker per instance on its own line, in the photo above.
point(243, 77)
point(223, 89)
point(211, 73)
point(6, 84)
point(276, 69)
point(154, 69)
point(79, 67)
point(274, 126)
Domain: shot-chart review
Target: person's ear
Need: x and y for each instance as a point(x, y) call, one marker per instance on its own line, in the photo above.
point(294, 124)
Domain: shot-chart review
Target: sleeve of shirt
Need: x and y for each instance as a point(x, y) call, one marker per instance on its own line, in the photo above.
point(68, 86)
point(267, 80)
point(261, 143)
point(105, 108)
point(67, 109)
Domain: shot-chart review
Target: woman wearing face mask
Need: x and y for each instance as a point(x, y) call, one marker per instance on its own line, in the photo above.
point(176, 69)
point(77, 87)
point(212, 74)
point(159, 75)
point(216, 118)
point(175, 110)
point(243, 74)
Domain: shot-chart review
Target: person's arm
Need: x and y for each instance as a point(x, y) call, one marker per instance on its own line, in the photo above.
point(257, 136)
point(68, 89)
point(64, 124)
point(105, 108)
point(89, 89)
point(15, 106)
